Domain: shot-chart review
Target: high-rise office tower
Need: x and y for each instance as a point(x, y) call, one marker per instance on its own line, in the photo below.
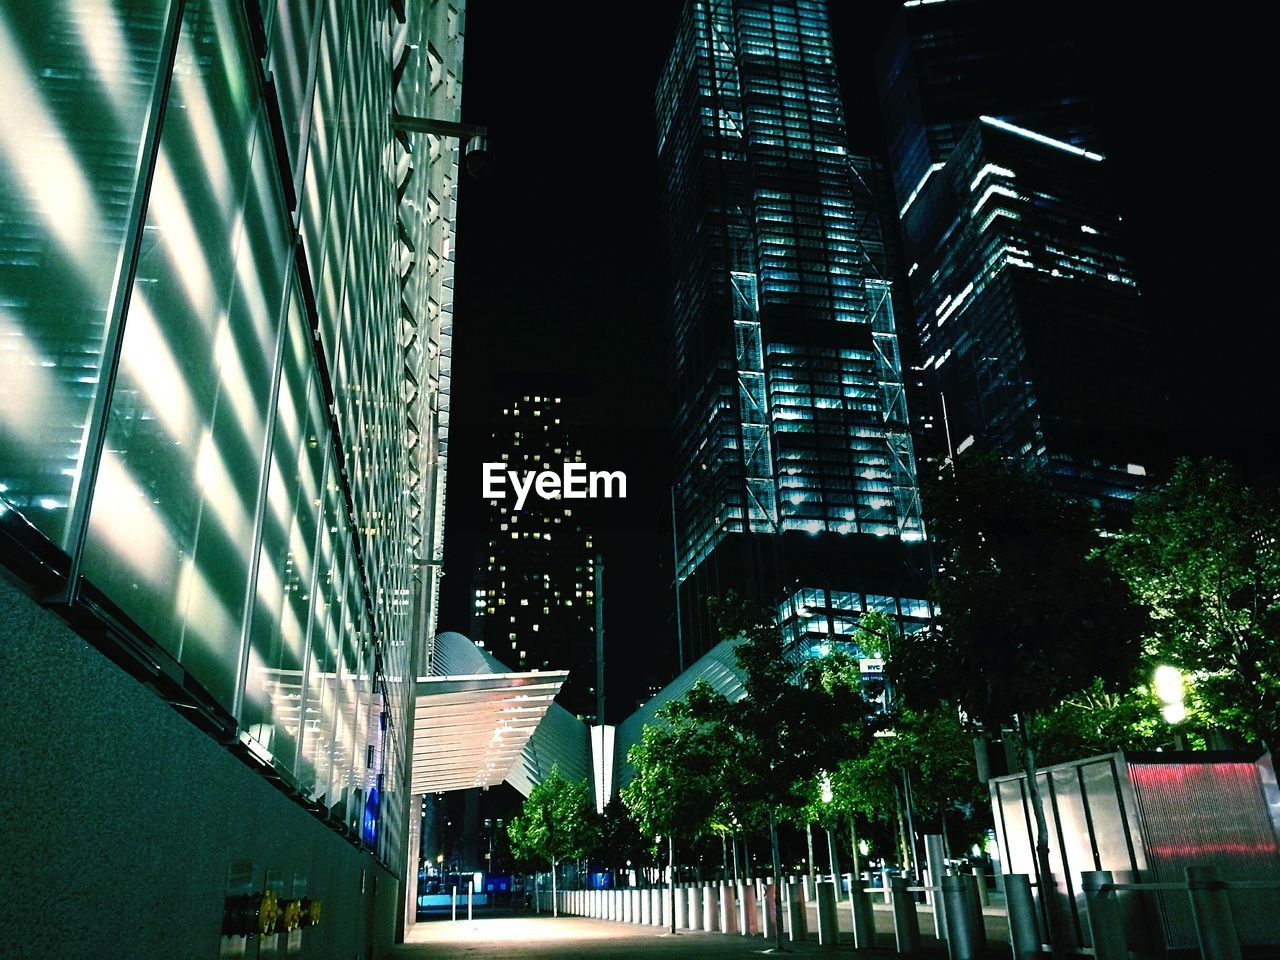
point(1028, 318)
point(225, 311)
point(533, 593)
point(795, 474)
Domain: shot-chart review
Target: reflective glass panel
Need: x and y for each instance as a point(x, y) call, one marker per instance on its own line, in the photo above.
point(77, 78)
point(171, 535)
point(270, 709)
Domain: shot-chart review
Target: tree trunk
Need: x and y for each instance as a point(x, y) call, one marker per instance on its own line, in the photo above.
point(902, 836)
point(857, 854)
point(1048, 888)
point(724, 855)
point(777, 882)
point(735, 859)
point(908, 805)
point(555, 907)
point(671, 880)
point(808, 836)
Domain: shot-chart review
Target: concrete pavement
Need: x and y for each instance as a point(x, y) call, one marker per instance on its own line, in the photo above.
point(526, 936)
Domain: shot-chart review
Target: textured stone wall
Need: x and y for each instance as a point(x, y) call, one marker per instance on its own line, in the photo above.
point(119, 818)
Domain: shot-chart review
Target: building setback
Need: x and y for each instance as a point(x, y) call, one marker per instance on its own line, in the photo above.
point(1031, 332)
point(226, 288)
point(795, 471)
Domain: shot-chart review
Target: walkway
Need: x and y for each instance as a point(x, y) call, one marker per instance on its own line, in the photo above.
point(578, 938)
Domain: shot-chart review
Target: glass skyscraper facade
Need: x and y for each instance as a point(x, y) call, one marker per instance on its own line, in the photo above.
point(794, 458)
point(225, 311)
point(1030, 327)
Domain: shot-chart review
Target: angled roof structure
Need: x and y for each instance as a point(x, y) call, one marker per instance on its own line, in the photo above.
point(473, 718)
point(717, 667)
point(477, 724)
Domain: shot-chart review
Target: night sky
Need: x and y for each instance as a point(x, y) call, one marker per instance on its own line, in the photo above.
point(561, 274)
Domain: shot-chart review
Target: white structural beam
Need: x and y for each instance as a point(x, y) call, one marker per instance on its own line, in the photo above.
point(471, 729)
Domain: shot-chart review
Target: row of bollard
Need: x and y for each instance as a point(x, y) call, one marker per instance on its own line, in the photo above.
point(749, 909)
point(746, 909)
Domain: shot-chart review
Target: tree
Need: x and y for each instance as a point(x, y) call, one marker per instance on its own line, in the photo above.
point(621, 842)
point(557, 822)
point(936, 749)
point(1029, 614)
point(678, 763)
point(1096, 721)
point(784, 729)
point(1203, 556)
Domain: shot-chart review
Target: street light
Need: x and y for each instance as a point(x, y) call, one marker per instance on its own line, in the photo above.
point(1170, 690)
point(827, 796)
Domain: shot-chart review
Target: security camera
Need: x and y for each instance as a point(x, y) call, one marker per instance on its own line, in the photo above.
point(476, 156)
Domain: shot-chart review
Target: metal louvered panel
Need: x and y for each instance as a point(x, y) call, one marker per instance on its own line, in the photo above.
point(1209, 813)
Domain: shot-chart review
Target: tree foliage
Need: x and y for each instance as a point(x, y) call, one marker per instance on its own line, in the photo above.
point(678, 763)
point(621, 842)
point(1029, 614)
point(557, 821)
point(786, 727)
point(1203, 556)
point(1096, 721)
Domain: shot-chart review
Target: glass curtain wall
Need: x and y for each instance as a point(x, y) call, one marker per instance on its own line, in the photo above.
point(201, 359)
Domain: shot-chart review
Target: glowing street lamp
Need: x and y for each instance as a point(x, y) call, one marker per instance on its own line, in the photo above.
point(827, 796)
point(1170, 690)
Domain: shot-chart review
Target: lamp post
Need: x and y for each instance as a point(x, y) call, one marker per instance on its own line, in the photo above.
point(827, 796)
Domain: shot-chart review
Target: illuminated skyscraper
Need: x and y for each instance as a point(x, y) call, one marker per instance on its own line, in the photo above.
point(225, 312)
point(533, 594)
point(1029, 322)
point(796, 478)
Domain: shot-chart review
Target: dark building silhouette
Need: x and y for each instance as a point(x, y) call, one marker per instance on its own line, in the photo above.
point(1031, 333)
point(533, 592)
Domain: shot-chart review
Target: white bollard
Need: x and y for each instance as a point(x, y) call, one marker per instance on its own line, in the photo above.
point(694, 896)
point(1211, 911)
point(728, 910)
point(710, 909)
point(768, 910)
point(864, 918)
point(797, 919)
point(828, 923)
point(748, 924)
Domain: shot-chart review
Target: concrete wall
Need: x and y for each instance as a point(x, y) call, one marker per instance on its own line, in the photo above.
point(119, 818)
